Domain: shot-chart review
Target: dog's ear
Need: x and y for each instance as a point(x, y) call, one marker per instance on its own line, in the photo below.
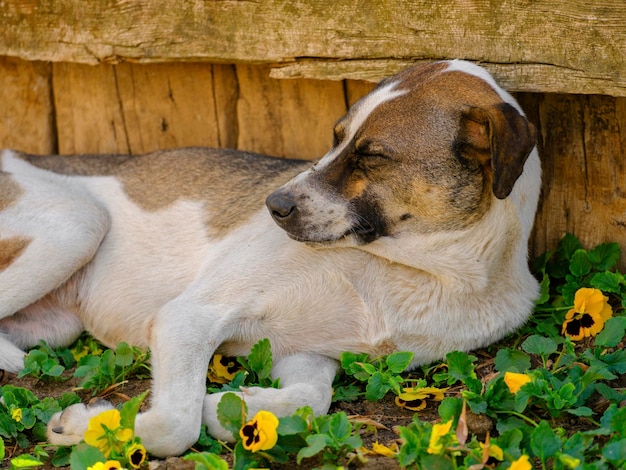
point(501, 135)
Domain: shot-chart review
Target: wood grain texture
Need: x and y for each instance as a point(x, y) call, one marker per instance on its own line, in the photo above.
point(286, 118)
point(583, 143)
point(27, 118)
point(130, 108)
point(575, 46)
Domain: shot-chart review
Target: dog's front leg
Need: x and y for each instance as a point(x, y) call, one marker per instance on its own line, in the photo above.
point(182, 344)
point(305, 379)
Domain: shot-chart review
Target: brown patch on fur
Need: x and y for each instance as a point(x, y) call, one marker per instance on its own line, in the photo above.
point(232, 185)
point(11, 249)
point(10, 191)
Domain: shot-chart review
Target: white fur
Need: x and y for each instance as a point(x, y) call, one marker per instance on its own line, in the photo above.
point(157, 279)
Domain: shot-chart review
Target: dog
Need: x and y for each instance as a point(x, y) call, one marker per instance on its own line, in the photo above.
point(410, 234)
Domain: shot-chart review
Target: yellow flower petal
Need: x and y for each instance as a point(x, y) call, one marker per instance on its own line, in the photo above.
point(435, 446)
point(591, 310)
point(105, 429)
point(587, 300)
point(136, 455)
point(108, 465)
point(222, 369)
point(569, 461)
point(495, 451)
point(515, 381)
point(381, 449)
point(521, 464)
point(16, 414)
point(260, 433)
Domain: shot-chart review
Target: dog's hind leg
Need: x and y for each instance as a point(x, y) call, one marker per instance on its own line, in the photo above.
point(305, 380)
point(49, 228)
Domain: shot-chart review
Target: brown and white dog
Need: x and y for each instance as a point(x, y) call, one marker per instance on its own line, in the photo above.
point(410, 234)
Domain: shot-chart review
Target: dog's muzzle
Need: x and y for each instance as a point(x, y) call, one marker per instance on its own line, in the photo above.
point(283, 209)
point(326, 224)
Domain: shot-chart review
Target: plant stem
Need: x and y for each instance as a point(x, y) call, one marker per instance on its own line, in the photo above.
point(519, 415)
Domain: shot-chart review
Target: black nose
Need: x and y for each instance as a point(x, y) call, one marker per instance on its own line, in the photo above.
point(282, 206)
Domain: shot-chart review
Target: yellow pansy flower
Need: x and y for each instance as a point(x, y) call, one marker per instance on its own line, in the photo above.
point(108, 465)
point(16, 414)
point(521, 464)
point(591, 310)
point(514, 381)
point(223, 369)
point(435, 446)
point(415, 398)
point(260, 433)
point(104, 431)
point(135, 454)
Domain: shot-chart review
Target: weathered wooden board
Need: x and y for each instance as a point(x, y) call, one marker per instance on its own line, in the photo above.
point(569, 46)
point(286, 118)
point(130, 108)
point(26, 117)
point(89, 114)
point(583, 145)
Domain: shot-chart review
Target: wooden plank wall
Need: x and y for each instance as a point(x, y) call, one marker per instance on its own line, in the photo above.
point(77, 108)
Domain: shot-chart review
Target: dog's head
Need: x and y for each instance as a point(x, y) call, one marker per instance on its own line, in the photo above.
point(428, 150)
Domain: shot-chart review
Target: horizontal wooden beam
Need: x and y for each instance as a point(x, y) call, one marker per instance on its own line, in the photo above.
point(570, 46)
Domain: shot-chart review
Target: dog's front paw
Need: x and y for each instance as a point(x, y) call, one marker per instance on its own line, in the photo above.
point(68, 427)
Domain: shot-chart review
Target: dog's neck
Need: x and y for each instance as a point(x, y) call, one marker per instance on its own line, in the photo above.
point(472, 265)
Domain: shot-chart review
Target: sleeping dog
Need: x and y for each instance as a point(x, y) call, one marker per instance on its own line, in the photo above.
point(410, 234)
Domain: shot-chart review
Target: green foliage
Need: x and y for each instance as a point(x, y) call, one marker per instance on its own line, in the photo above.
point(23, 416)
point(257, 369)
point(113, 367)
point(381, 375)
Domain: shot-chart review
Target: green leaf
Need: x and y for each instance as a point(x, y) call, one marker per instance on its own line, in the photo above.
point(607, 281)
point(339, 426)
point(615, 452)
point(61, 457)
point(460, 366)
point(604, 256)
point(612, 333)
point(260, 359)
point(348, 359)
point(289, 425)
point(437, 462)
point(539, 345)
point(512, 360)
point(567, 246)
point(544, 442)
point(377, 387)
point(579, 264)
point(348, 392)
point(450, 408)
point(410, 448)
point(544, 290)
point(25, 461)
point(615, 361)
point(316, 443)
point(2, 452)
point(230, 411)
point(581, 411)
point(129, 411)
point(124, 355)
point(398, 362)
point(207, 461)
point(84, 456)
point(53, 369)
